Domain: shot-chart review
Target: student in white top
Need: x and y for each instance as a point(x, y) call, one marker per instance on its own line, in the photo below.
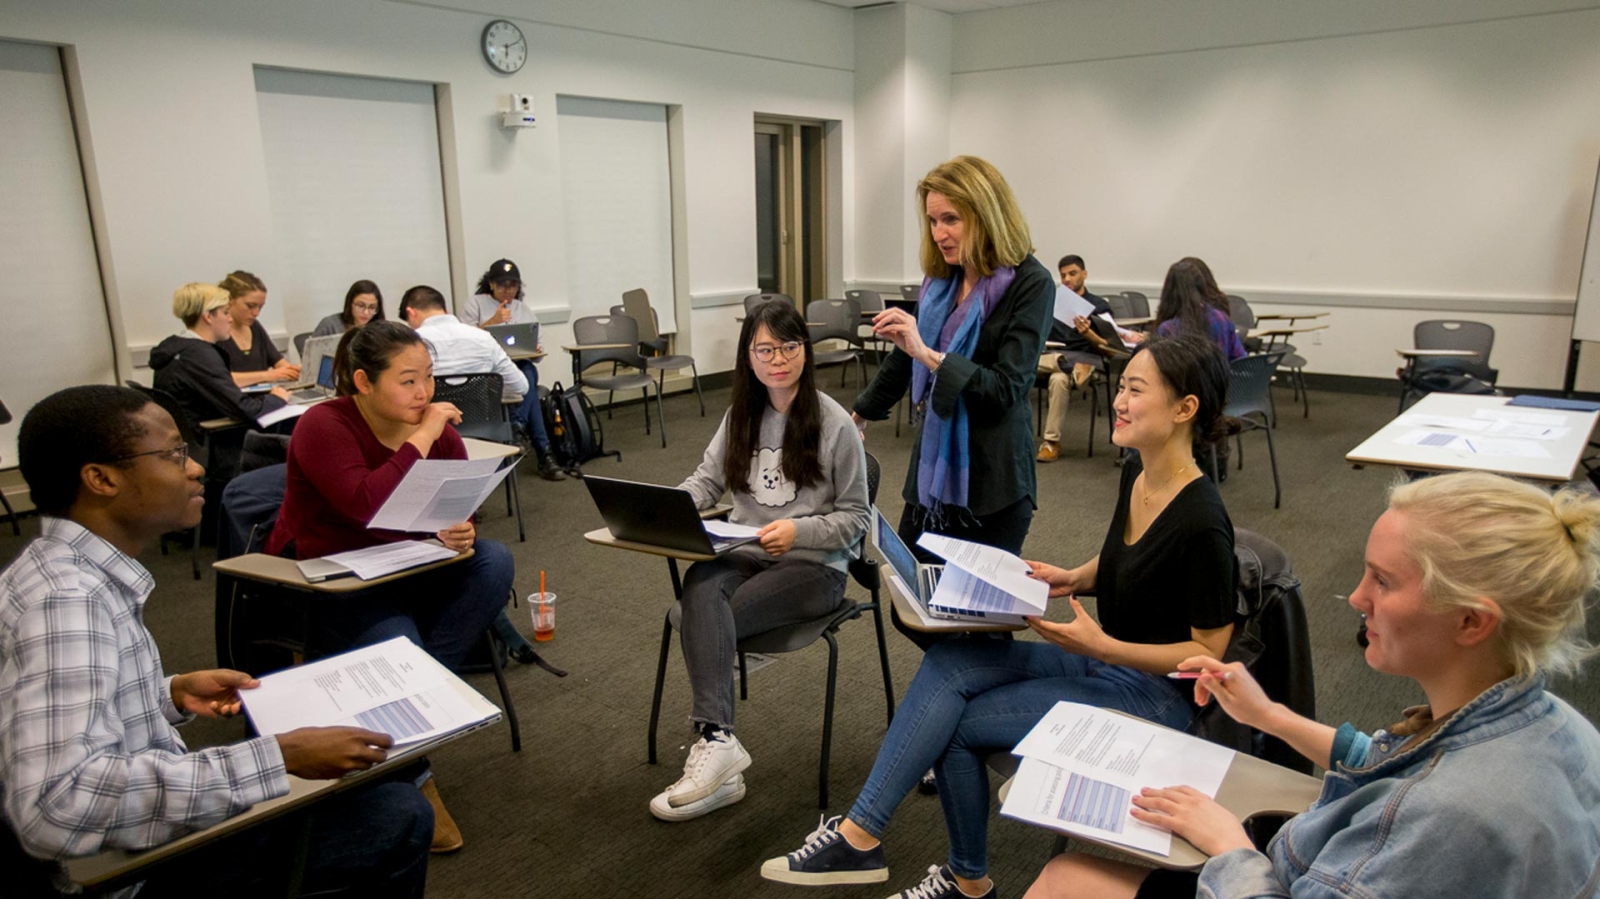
point(498, 301)
point(460, 349)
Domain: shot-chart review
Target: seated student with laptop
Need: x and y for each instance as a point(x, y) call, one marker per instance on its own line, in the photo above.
point(251, 355)
point(796, 468)
point(1164, 582)
point(189, 366)
point(90, 756)
point(347, 456)
point(363, 303)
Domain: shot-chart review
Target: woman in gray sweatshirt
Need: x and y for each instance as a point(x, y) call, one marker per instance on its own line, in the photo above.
point(794, 463)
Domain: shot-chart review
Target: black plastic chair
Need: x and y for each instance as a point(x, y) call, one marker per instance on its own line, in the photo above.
point(1250, 393)
point(756, 299)
point(16, 529)
point(910, 293)
point(614, 339)
point(483, 416)
point(651, 338)
point(871, 304)
point(1138, 304)
point(1475, 340)
point(300, 348)
point(796, 637)
point(1121, 307)
point(837, 320)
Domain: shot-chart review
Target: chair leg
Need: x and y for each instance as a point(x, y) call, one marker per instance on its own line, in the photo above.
point(1305, 398)
point(516, 498)
point(16, 529)
point(744, 686)
point(1272, 454)
point(645, 392)
point(827, 722)
point(661, 680)
point(661, 413)
point(694, 374)
point(505, 692)
point(883, 658)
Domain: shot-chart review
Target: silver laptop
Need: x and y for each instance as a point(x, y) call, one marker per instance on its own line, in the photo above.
point(324, 387)
point(522, 338)
point(311, 357)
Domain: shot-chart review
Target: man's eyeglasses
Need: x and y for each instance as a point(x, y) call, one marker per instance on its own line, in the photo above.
point(178, 454)
point(765, 352)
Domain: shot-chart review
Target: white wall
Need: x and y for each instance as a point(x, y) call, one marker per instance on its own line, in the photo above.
point(1400, 156)
point(169, 110)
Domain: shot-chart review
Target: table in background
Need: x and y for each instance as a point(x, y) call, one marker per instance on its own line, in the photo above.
point(1565, 452)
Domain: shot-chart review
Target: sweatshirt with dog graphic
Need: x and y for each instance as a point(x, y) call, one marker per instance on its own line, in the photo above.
point(830, 517)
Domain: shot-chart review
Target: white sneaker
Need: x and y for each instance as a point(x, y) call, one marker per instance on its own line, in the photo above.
point(711, 763)
point(726, 794)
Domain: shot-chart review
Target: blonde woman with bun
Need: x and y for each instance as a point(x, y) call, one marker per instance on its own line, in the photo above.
point(248, 348)
point(1474, 588)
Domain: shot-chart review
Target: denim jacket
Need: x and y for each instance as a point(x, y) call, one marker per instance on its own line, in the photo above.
point(1502, 800)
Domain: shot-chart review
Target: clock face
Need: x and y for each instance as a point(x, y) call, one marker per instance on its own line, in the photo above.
point(504, 46)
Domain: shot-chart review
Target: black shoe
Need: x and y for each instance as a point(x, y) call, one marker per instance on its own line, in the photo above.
point(828, 858)
point(939, 884)
point(575, 471)
point(928, 785)
point(548, 469)
point(524, 654)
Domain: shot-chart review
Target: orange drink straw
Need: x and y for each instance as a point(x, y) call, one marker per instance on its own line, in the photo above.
point(541, 585)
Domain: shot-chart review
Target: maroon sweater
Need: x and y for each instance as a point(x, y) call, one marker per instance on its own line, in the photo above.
point(339, 476)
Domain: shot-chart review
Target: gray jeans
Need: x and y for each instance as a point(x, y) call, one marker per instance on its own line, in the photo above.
point(737, 596)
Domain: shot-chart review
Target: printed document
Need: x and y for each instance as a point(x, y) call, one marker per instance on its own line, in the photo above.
point(393, 687)
point(1083, 765)
point(381, 561)
point(726, 535)
point(1506, 447)
point(979, 578)
point(439, 493)
point(1069, 305)
point(282, 413)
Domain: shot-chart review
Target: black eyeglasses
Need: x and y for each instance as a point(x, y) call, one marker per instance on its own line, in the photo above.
point(178, 454)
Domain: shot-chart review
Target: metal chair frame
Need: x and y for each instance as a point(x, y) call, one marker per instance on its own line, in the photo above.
point(615, 329)
point(485, 417)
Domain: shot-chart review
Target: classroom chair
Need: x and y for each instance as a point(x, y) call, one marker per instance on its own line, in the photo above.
point(635, 303)
point(837, 320)
point(1138, 304)
point(871, 304)
point(1467, 373)
point(756, 299)
point(1250, 393)
point(300, 350)
point(614, 339)
point(483, 416)
point(796, 637)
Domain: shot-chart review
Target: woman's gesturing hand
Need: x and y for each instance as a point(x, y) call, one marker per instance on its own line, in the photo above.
point(899, 328)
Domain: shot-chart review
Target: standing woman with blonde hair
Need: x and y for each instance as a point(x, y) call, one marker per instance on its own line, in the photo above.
point(968, 358)
point(251, 356)
point(1474, 588)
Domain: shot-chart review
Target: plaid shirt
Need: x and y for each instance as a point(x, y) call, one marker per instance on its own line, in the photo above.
point(89, 755)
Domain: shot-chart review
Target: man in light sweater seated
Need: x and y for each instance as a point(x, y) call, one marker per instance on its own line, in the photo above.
point(460, 349)
point(793, 461)
point(90, 758)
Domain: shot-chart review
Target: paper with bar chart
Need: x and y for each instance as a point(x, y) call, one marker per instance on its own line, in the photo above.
point(393, 687)
point(1081, 767)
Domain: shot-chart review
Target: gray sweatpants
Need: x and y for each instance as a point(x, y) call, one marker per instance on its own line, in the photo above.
point(737, 596)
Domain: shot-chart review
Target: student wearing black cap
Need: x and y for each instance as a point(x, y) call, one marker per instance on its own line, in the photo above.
point(498, 301)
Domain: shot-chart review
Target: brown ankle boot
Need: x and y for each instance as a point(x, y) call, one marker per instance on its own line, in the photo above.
point(446, 835)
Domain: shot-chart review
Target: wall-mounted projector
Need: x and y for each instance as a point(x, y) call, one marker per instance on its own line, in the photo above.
point(521, 114)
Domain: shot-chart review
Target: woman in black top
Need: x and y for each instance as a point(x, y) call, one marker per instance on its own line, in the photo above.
point(251, 356)
point(1165, 585)
point(968, 358)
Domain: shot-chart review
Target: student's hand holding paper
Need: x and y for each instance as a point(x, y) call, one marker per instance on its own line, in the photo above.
point(459, 538)
point(1194, 816)
point(1062, 581)
point(777, 538)
point(1081, 635)
point(1233, 688)
point(326, 753)
point(210, 694)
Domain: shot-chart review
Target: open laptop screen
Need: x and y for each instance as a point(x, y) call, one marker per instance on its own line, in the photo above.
point(325, 377)
point(895, 550)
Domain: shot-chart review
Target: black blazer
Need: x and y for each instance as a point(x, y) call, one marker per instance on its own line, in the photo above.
point(994, 383)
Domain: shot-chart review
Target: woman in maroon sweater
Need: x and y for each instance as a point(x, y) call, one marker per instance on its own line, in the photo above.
point(346, 457)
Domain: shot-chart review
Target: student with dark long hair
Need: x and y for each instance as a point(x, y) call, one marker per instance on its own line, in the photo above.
point(497, 300)
point(791, 458)
point(363, 303)
point(1189, 307)
point(345, 459)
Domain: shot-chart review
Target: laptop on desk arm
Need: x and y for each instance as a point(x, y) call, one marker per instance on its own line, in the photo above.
point(316, 349)
point(655, 515)
point(523, 338)
point(325, 385)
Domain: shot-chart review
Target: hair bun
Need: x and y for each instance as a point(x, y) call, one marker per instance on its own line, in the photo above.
point(1579, 514)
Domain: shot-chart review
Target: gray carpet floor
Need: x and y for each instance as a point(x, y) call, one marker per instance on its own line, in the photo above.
point(567, 816)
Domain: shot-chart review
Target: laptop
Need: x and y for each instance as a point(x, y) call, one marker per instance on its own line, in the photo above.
point(655, 515)
point(919, 578)
point(516, 338)
point(1108, 332)
point(325, 384)
point(316, 349)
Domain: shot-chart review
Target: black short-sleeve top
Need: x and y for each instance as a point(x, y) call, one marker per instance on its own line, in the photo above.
point(262, 356)
point(1179, 575)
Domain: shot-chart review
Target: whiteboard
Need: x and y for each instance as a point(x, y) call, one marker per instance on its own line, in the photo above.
point(1586, 323)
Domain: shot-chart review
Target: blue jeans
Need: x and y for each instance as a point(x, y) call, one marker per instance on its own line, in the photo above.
point(370, 842)
point(529, 412)
point(445, 611)
point(973, 697)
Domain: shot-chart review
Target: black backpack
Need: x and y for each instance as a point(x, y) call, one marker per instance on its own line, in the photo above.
point(573, 424)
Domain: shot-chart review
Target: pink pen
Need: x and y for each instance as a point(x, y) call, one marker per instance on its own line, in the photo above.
point(1195, 675)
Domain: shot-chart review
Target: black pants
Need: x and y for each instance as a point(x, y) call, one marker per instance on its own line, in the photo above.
point(1005, 529)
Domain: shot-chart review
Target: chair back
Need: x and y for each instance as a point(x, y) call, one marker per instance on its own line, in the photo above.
point(5, 414)
point(1250, 384)
point(262, 449)
point(478, 398)
point(1120, 307)
point(656, 345)
point(835, 320)
point(1444, 334)
point(756, 299)
point(910, 292)
point(870, 300)
point(300, 345)
point(597, 329)
point(1138, 303)
point(1244, 318)
point(636, 304)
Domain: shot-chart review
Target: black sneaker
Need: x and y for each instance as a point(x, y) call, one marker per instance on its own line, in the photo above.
point(928, 785)
point(939, 884)
point(828, 858)
point(548, 469)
